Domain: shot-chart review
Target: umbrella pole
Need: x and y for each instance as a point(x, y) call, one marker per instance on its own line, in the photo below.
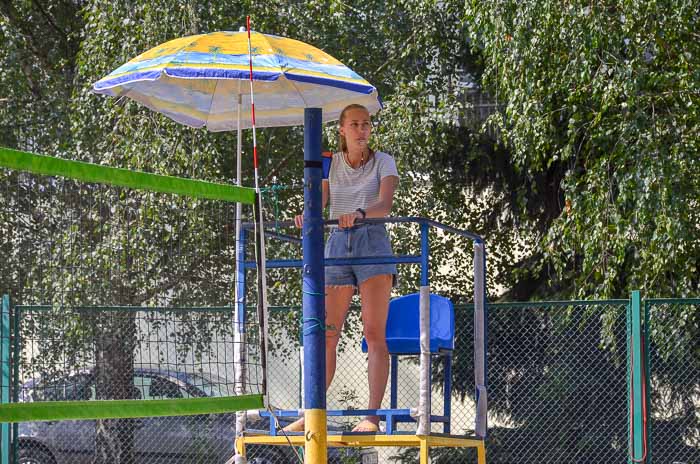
point(259, 236)
point(239, 346)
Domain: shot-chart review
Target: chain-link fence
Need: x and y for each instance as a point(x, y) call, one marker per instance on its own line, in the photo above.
point(557, 376)
point(86, 354)
point(673, 383)
point(558, 383)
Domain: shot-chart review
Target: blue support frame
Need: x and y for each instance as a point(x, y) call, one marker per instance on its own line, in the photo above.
point(312, 265)
point(297, 263)
point(424, 254)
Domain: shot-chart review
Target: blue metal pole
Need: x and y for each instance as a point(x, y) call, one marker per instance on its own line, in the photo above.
point(313, 287)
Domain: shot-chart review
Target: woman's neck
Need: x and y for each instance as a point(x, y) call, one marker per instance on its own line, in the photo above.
point(356, 158)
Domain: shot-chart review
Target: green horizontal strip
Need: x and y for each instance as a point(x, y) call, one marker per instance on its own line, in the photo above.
point(123, 409)
point(95, 173)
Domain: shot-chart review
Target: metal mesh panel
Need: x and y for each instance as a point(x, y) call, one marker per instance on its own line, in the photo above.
point(556, 379)
point(557, 382)
point(128, 353)
point(674, 379)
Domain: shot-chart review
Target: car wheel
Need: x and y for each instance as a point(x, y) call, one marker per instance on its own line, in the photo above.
point(32, 455)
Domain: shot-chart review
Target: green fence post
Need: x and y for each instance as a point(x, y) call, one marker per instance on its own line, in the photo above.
point(636, 356)
point(5, 379)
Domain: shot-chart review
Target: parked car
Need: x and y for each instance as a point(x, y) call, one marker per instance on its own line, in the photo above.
point(177, 439)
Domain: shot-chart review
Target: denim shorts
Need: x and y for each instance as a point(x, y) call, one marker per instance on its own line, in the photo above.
point(364, 240)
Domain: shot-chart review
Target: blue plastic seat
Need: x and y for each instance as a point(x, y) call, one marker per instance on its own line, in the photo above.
point(403, 325)
point(403, 338)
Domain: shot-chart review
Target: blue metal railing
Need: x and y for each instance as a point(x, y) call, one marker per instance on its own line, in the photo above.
point(422, 259)
point(392, 415)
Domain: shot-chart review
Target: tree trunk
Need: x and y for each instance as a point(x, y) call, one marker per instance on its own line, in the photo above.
point(114, 373)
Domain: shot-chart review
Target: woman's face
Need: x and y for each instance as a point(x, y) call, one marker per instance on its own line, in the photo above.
point(356, 128)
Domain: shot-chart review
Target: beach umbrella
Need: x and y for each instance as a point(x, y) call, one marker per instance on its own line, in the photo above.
point(201, 81)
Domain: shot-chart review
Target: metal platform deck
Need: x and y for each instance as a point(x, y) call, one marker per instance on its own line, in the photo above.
point(361, 440)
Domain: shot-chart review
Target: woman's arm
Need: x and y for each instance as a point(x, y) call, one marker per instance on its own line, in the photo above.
point(382, 208)
point(325, 193)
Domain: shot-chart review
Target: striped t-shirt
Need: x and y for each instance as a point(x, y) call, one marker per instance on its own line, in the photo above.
point(352, 188)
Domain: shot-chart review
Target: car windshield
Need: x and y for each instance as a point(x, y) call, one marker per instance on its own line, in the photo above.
point(73, 388)
point(211, 385)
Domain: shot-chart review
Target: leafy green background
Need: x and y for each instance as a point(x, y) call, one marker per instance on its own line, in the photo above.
point(584, 180)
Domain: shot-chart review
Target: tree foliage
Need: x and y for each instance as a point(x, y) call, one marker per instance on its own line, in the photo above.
point(600, 114)
point(604, 96)
point(590, 189)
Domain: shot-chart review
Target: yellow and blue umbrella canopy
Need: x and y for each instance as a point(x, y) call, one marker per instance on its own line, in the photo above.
point(198, 80)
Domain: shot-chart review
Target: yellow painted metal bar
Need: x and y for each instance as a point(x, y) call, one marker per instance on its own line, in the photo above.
point(424, 451)
point(481, 454)
point(316, 444)
point(362, 440)
point(369, 440)
point(239, 443)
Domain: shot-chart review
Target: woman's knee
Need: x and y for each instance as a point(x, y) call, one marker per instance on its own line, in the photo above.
point(332, 340)
point(376, 337)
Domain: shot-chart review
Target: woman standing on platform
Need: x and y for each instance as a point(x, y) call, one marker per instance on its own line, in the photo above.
point(358, 184)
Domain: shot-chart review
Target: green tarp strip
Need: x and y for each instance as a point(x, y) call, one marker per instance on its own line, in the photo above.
point(95, 173)
point(123, 409)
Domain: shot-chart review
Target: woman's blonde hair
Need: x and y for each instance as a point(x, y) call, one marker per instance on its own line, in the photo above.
point(343, 142)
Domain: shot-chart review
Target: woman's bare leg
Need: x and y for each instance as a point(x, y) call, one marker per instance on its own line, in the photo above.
point(338, 299)
point(337, 304)
point(375, 293)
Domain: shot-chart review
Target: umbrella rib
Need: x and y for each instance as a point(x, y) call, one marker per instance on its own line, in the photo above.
point(211, 103)
point(301, 95)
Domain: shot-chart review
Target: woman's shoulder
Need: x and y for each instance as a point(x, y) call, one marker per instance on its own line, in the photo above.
point(381, 154)
point(384, 158)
